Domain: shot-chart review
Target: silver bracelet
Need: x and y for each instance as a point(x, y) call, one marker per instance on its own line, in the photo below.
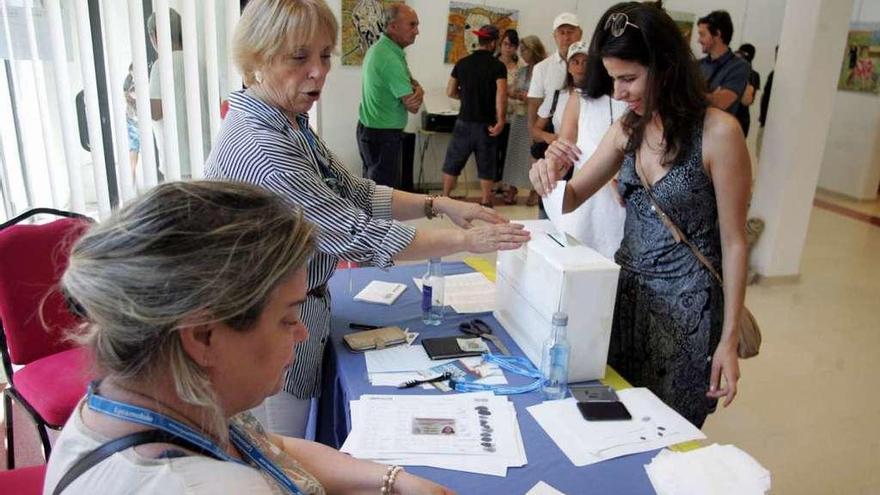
point(389, 479)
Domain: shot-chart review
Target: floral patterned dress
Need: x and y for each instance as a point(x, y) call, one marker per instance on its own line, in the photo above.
point(669, 310)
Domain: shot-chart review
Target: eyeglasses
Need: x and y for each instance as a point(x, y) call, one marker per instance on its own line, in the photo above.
point(617, 23)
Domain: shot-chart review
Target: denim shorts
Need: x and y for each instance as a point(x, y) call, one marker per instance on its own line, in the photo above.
point(467, 138)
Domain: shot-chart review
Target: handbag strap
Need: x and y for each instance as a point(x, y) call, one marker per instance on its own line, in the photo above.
point(610, 112)
point(553, 105)
point(118, 445)
point(676, 232)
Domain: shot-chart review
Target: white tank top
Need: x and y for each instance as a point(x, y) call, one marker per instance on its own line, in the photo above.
point(598, 222)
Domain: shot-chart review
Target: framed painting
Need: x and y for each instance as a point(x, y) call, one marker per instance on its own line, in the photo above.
point(466, 17)
point(363, 21)
point(860, 70)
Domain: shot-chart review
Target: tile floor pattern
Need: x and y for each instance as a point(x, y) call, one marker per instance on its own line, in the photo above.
point(807, 408)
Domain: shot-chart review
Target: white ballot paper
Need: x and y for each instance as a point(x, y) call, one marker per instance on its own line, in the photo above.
point(596, 223)
point(653, 425)
point(475, 432)
point(467, 293)
point(553, 205)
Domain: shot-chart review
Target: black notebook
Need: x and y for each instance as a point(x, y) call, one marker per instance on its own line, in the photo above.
point(445, 348)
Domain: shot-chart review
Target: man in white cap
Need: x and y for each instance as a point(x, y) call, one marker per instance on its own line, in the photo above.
point(549, 74)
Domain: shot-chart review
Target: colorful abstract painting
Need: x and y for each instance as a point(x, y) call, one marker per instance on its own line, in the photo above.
point(466, 17)
point(861, 59)
point(362, 23)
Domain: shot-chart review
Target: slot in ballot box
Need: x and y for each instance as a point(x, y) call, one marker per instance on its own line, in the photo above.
point(556, 272)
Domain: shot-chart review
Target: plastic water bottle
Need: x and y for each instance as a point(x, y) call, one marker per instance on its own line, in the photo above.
point(432, 293)
point(554, 360)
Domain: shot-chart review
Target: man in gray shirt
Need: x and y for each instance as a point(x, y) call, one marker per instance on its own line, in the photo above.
point(726, 74)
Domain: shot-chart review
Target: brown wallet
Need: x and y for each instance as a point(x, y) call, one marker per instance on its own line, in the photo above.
point(379, 338)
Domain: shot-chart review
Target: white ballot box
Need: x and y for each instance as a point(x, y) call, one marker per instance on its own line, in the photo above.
point(553, 273)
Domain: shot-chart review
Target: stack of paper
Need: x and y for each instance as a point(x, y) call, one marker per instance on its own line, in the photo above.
point(475, 432)
point(394, 365)
point(467, 293)
point(716, 469)
point(653, 425)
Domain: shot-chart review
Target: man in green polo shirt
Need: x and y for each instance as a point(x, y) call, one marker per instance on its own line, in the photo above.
point(388, 91)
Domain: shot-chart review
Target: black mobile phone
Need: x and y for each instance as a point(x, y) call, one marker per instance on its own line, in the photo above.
point(593, 393)
point(604, 411)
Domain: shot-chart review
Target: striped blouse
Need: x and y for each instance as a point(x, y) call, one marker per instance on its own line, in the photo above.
point(258, 145)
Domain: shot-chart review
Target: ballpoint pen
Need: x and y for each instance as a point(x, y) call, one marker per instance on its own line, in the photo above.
point(413, 383)
point(362, 326)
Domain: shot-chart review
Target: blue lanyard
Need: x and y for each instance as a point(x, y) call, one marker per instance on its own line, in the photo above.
point(514, 364)
point(147, 417)
point(327, 175)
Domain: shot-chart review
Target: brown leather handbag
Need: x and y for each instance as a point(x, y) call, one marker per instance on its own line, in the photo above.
point(749, 332)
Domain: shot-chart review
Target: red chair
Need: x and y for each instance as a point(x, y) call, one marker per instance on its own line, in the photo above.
point(23, 481)
point(34, 316)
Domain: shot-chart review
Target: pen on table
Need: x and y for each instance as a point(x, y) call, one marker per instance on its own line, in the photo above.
point(362, 326)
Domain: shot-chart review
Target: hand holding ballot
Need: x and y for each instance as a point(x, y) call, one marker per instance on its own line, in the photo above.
point(545, 173)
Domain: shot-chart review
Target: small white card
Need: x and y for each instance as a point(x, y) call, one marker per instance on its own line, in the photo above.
point(380, 292)
point(542, 488)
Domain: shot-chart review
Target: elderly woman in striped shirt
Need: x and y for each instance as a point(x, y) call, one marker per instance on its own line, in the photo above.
point(283, 48)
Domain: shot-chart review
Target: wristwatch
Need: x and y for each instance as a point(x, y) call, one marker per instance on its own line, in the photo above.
point(430, 211)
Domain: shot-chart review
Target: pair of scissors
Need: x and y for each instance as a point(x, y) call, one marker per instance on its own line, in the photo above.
point(479, 328)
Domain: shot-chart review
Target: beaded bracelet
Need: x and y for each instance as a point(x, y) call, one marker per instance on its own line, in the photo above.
point(430, 211)
point(389, 479)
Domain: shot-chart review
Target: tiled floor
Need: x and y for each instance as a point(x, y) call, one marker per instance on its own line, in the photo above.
point(808, 409)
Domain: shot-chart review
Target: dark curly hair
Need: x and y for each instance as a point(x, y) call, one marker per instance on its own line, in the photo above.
point(675, 88)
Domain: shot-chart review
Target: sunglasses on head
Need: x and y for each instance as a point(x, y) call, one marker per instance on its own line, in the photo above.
point(617, 23)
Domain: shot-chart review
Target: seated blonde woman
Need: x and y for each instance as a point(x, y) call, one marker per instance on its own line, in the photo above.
point(192, 298)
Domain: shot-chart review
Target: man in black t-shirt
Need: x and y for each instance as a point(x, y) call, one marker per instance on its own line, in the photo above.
point(480, 82)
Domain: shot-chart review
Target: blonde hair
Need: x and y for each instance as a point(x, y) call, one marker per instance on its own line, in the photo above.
point(184, 254)
point(271, 28)
point(533, 44)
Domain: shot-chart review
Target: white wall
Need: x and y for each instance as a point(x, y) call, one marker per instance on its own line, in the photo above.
point(851, 164)
point(756, 21)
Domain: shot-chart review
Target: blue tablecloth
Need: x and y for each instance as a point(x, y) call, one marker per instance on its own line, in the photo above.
point(345, 378)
